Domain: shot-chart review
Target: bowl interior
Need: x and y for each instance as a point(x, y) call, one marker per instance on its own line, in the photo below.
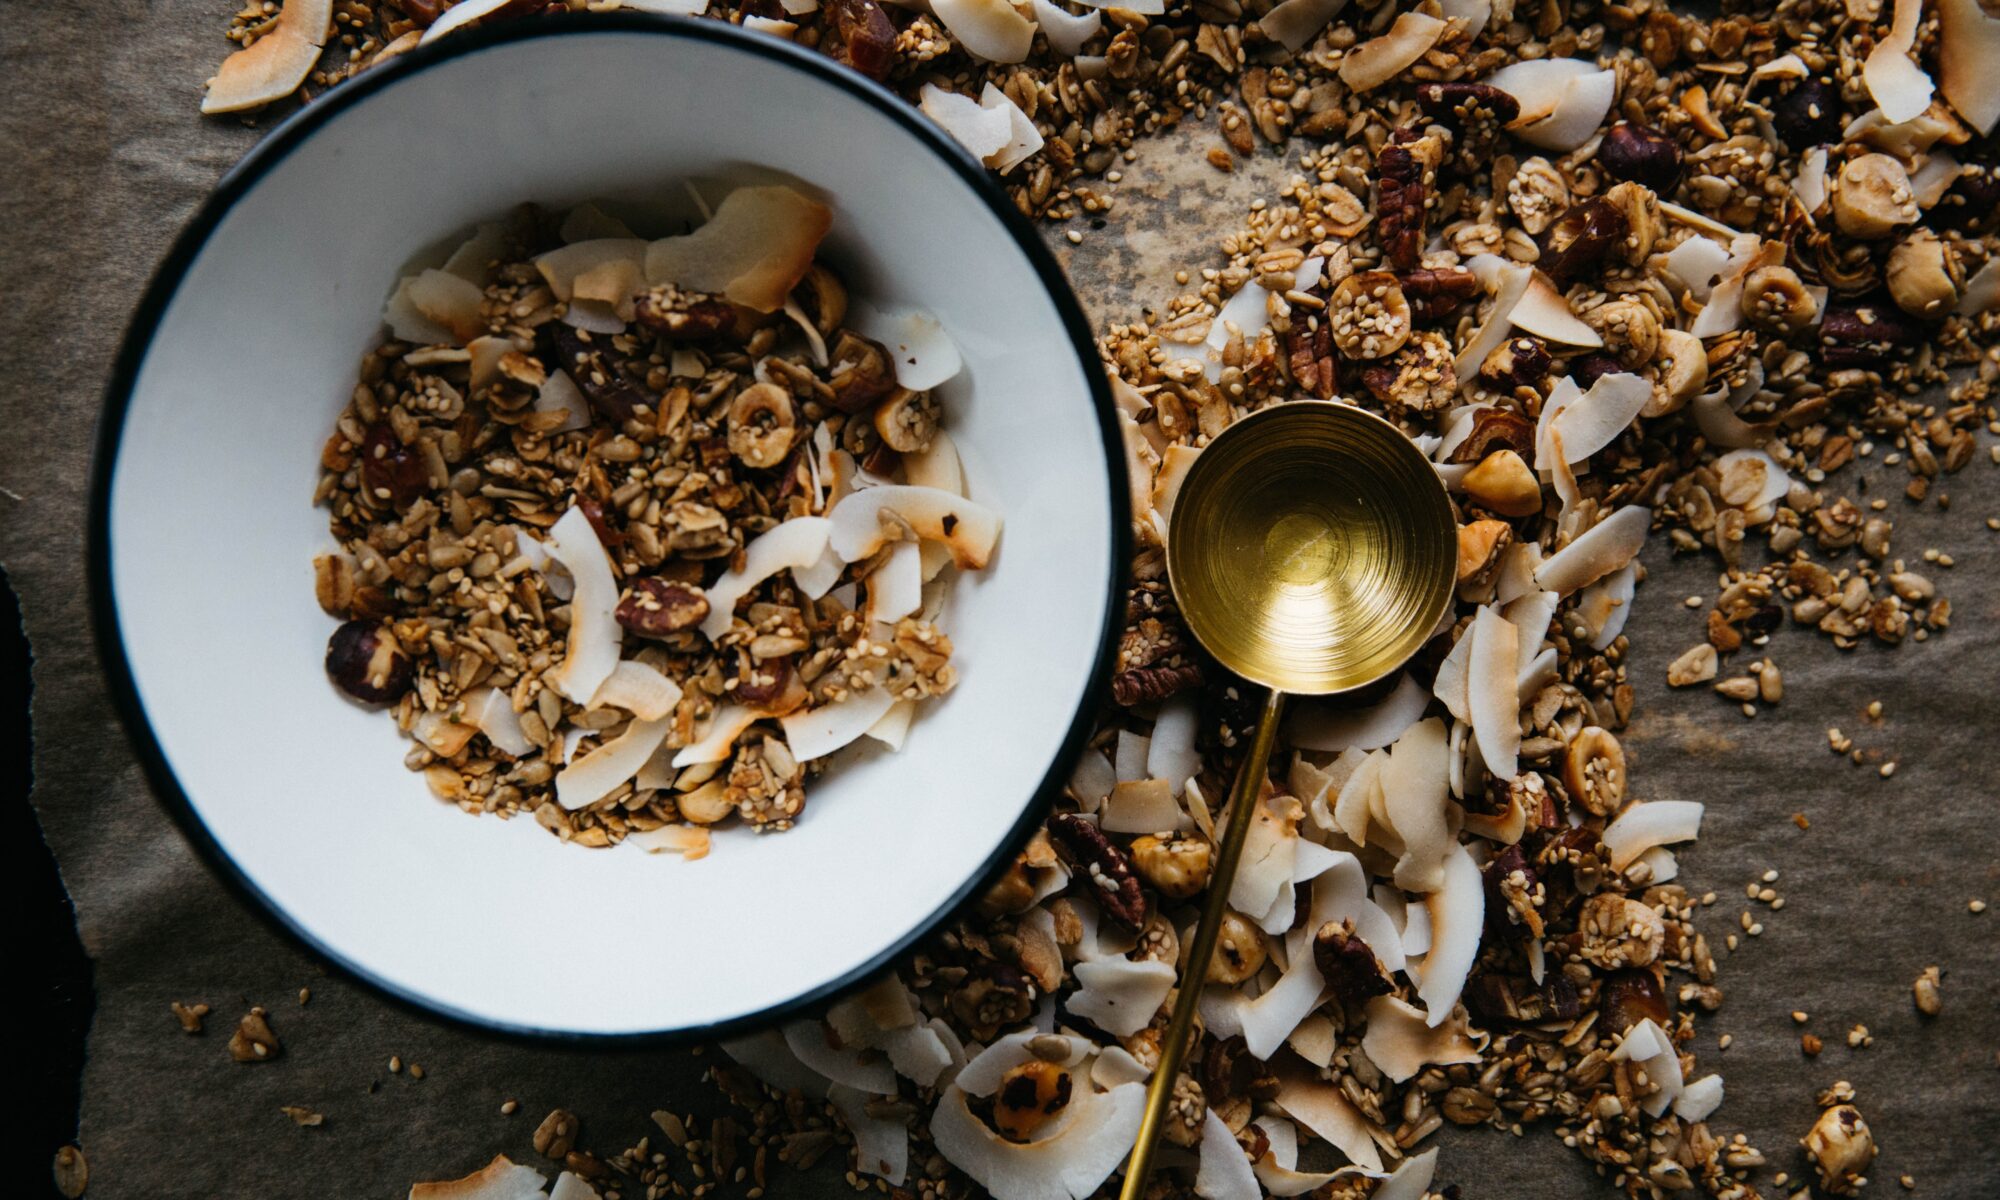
point(211, 534)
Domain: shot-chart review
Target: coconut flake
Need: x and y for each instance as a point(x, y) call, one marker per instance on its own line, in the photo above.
point(1400, 1042)
point(896, 588)
point(1270, 850)
point(1456, 911)
point(559, 393)
point(1968, 49)
point(794, 544)
point(1277, 1171)
point(881, 1144)
point(1118, 995)
point(1378, 60)
point(1605, 411)
point(1604, 606)
point(1066, 33)
point(639, 689)
point(1653, 823)
point(1321, 725)
point(1723, 312)
point(433, 307)
point(1293, 24)
point(1352, 808)
point(493, 713)
point(1750, 479)
point(596, 774)
point(765, 1055)
point(275, 65)
point(969, 529)
point(862, 1071)
point(1224, 1173)
point(1809, 185)
point(1646, 1045)
point(609, 270)
point(1092, 780)
point(1539, 84)
point(1023, 139)
point(594, 633)
point(1600, 550)
point(894, 725)
point(1450, 684)
point(1492, 668)
point(1129, 755)
point(753, 252)
point(718, 737)
point(1415, 787)
point(936, 466)
point(570, 1186)
point(1543, 312)
point(1982, 291)
point(1314, 1040)
point(1899, 87)
point(501, 1179)
point(984, 132)
point(1142, 806)
point(988, 29)
point(1320, 1106)
point(1699, 1100)
point(1698, 261)
point(981, 1076)
point(1269, 1019)
point(818, 732)
point(691, 842)
point(1509, 283)
point(1171, 754)
point(1340, 894)
point(1072, 1163)
point(1472, 15)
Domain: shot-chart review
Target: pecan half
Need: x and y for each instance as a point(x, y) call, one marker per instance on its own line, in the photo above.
point(1399, 205)
point(654, 607)
point(1142, 685)
point(1309, 353)
point(1105, 868)
point(1476, 114)
point(1347, 964)
point(1434, 292)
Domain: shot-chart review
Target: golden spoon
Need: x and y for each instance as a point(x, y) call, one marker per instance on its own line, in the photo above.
point(1312, 550)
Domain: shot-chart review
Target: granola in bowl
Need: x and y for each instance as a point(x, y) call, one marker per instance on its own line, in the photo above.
point(634, 534)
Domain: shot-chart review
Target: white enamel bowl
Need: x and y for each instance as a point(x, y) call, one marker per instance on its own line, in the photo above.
point(243, 352)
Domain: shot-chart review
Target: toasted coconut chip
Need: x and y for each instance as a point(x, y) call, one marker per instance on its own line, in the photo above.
point(982, 1075)
point(1456, 912)
point(984, 132)
point(894, 725)
point(1039, 953)
point(1141, 464)
point(936, 466)
point(1449, 686)
point(1539, 84)
point(1066, 33)
point(569, 1186)
point(1069, 1165)
point(1982, 291)
point(1654, 823)
point(639, 689)
point(501, 1179)
point(1608, 409)
point(862, 1070)
point(1171, 754)
point(1270, 850)
point(718, 736)
point(766, 1055)
point(1023, 139)
point(1145, 8)
point(594, 633)
point(1507, 826)
point(434, 307)
point(477, 255)
point(1401, 1042)
point(818, 732)
point(1277, 1170)
point(1320, 1106)
point(1508, 283)
point(990, 29)
point(1129, 755)
point(1415, 786)
point(1930, 182)
point(1602, 549)
point(1461, 772)
point(483, 355)
point(1472, 15)
point(691, 842)
point(1750, 478)
point(441, 734)
point(1536, 674)
point(881, 1144)
point(1700, 221)
point(1319, 787)
point(1531, 614)
point(1899, 87)
point(1248, 310)
point(1809, 185)
point(1314, 1040)
point(1142, 806)
point(1268, 1020)
point(770, 25)
point(1662, 863)
point(1604, 606)
point(1319, 725)
point(1378, 60)
point(1174, 469)
point(1459, 423)
point(613, 285)
point(1224, 1173)
point(593, 316)
point(587, 222)
point(754, 251)
point(1543, 312)
point(1357, 798)
point(1492, 669)
point(460, 15)
point(1699, 1100)
point(602, 262)
point(1293, 24)
point(896, 588)
point(968, 528)
point(1718, 422)
point(560, 393)
point(1092, 780)
point(493, 713)
point(1697, 262)
point(1416, 934)
point(693, 8)
point(1723, 313)
point(1585, 103)
point(276, 64)
point(795, 544)
point(1120, 996)
point(1648, 1046)
point(596, 774)
point(1968, 49)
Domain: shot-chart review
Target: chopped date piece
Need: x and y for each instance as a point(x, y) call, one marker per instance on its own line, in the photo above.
point(1808, 115)
point(867, 34)
point(1641, 154)
point(363, 660)
point(682, 316)
point(1576, 245)
point(611, 394)
point(1348, 965)
point(1496, 429)
point(390, 470)
point(1866, 332)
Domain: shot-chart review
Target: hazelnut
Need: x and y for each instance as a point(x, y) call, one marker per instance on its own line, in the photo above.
point(1630, 331)
point(1841, 1146)
point(823, 298)
point(1774, 299)
point(1924, 275)
point(1620, 932)
point(1503, 483)
point(1594, 771)
point(1177, 866)
point(860, 372)
point(1028, 1096)
point(1239, 950)
point(364, 660)
point(1641, 154)
point(1369, 315)
point(907, 420)
point(1808, 115)
point(659, 608)
point(1479, 547)
point(762, 424)
point(1872, 196)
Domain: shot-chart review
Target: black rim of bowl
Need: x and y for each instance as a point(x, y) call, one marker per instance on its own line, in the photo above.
point(294, 131)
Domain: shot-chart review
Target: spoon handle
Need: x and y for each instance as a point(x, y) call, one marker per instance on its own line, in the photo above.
point(1173, 1047)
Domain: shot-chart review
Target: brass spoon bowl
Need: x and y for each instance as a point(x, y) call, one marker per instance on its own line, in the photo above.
point(1312, 549)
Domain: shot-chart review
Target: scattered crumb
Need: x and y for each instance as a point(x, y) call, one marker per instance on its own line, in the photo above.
point(1810, 1043)
point(71, 1171)
point(509, 1107)
point(189, 1015)
point(1925, 992)
point(254, 1039)
point(303, 1116)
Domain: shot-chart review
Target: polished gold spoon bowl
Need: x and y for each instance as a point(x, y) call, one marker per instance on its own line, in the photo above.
point(1312, 549)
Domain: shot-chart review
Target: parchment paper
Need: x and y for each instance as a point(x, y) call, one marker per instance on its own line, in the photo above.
point(105, 158)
